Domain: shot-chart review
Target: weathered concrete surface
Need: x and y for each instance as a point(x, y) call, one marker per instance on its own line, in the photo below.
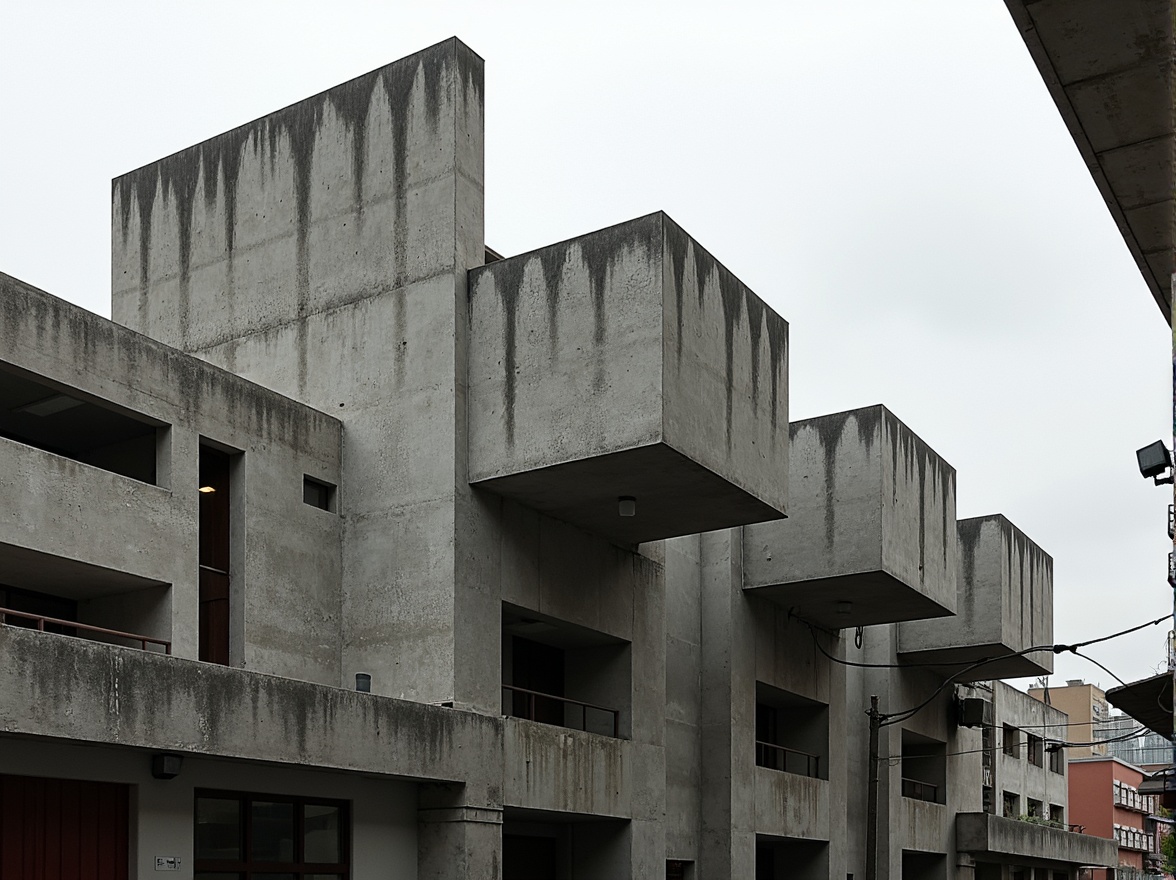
point(286, 556)
point(567, 771)
point(322, 251)
point(67, 688)
point(871, 524)
point(983, 833)
point(788, 805)
point(1005, 605)
point(1108, 68)
point(628, 362)
point(924, 826)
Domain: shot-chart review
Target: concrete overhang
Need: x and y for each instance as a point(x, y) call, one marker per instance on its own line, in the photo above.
point(628, 362)
point(1108, 67)
point(70, 689)
point(1004, 607)
point(870, 536)
point(995, 838)
point(1148, 701)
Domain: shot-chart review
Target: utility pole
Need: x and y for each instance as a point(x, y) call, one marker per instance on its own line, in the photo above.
point(872, 793)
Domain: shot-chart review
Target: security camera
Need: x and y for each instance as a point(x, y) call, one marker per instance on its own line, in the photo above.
point(1154, 460)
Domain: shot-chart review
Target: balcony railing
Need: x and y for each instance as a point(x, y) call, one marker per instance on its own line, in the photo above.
point(62, 627)
point(545, 708)
point(920, 791)
point(787, 760)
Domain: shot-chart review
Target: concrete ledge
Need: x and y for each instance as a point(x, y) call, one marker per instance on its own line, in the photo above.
point(986, 834)
point(924, 826)
point(628, 362)
point(57, 686)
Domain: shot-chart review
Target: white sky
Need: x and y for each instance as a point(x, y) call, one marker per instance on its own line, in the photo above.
point(891, 176)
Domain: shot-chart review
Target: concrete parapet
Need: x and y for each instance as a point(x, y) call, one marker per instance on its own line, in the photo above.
point(1005, 605)
point(628, 362)
point(792, 806)
point(870, 536)
point(995, 838)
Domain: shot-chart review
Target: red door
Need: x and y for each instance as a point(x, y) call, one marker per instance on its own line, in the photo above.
point(63, 829)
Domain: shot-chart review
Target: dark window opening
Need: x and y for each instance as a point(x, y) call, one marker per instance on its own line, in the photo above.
point(777, 859)
point(556, 673)
point(41, 605)
point(72, 425)
point(1057, 814)
point(1033, 808)
point(677, 869)
point(1057, 757)
point(318, 494)
point(791, 733)
point(1011, 805)
point(924, 768)
point(1035, 750)
point(214, 556)
point(1011, 741)
point(257, 835)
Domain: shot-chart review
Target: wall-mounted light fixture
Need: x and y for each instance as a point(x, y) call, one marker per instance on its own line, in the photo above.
point(627, 505)
point(1153, 460)
point(166, 765)
point(207, 490)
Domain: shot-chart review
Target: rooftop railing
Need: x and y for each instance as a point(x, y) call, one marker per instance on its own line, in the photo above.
point(544, 708)
point(39, 623)
point(787, 760)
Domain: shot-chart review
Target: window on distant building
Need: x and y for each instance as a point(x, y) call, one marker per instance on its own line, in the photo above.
point(1012, 804)
point(285, 836)
point(1034, 750)
point(1011, 741)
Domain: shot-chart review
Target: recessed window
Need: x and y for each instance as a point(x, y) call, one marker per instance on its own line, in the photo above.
point(285, 836)
point(318, 494)
point(1011, 741)
point(1034, 750)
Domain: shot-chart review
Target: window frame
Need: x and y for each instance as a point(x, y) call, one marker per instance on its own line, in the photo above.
point(1010, 741)
point(246, 867)
point(1035, 750)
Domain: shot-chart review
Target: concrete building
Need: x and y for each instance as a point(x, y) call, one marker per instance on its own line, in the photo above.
point(1105, 800)
point(1086, 704)
point(351, 549)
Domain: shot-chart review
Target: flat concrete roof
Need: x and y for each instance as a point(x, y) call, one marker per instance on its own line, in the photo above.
point(1108, 67)
point(1148, 701)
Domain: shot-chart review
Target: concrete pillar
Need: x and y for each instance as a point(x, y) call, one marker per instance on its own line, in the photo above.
point(457, 840)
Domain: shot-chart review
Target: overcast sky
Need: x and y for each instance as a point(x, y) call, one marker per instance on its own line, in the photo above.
point(892, 177)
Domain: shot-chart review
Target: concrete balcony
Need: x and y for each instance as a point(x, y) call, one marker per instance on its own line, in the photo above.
point(924, 825)
point(1005, 605)
point(791, 806)
point(991, 838)
point(870, 536)
point(557, 770)
point(628, 362)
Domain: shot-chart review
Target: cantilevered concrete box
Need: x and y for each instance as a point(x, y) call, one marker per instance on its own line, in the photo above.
point(628, 362)
point(1005, 604)
point(870, 536)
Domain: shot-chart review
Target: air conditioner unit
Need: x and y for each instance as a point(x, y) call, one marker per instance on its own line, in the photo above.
point(975, 712)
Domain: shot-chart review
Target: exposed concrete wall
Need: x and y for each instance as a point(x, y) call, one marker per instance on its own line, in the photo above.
point(628, 362)
point(1005, 604)
point(872, 518)
point(287, 559)
point(322, 251)
point(383, 812)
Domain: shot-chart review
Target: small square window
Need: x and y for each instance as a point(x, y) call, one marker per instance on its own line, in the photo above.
point(318, 494)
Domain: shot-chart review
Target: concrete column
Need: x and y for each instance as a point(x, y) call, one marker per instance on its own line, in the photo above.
point(456, 840)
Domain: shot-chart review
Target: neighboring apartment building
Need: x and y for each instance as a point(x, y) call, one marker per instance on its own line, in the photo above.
point(1025, 761)
point(1105, 799)
point(531, 508)
point(1086, 704)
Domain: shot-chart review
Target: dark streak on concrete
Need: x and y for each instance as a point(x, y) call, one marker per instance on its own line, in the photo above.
point(554, 259)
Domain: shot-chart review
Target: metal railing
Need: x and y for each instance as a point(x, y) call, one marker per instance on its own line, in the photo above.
point(40, 621)
point(787, 760)
point(920, 791)
point(544, 708)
